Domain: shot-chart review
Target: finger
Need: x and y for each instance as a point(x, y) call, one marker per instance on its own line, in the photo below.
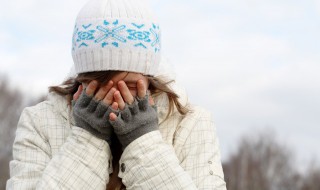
point(118, 98)
point(115, 106)
point(125, 92)
point(112, 109)
point(77, 94)
point(151, 101)
point(108, 99)
point(118, 124)
point(141, 87)
point(112, 116)
point(92, 106)
point(102, 92)
point(101, 110)
point(91, 88)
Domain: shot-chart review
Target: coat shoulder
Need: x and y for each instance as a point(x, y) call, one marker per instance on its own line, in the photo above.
point(48, 108)
point(198, 120)
point(48, 117)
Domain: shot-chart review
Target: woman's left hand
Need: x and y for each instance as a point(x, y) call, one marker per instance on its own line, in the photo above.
point(123, 96)
point(137, 116)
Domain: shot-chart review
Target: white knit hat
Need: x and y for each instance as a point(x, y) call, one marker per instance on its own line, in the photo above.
point(116, 35)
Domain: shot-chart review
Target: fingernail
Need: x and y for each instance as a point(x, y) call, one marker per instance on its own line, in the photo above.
point(121, 82)
point(116, 93)
point(114, 105)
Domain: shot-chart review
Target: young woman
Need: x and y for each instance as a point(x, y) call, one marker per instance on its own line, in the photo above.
point(118, 123)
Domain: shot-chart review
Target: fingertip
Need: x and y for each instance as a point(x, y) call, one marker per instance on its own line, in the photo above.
point(91, 88)
point(108, 99)
point(115, 105)
point(140, 82)
point(79, 88)
point(151, 101)
point(118, 98)
point(121, 82)
point(116, 94)
point(109, 85)
point(77, 94)
point(93, 83)
point(74, 97)
point(112, 116)
point(141, 88)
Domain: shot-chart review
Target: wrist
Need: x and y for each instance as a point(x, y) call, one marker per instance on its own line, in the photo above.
point(127, 139)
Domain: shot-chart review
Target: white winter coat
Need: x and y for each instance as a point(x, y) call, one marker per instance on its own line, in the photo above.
point(49, 152)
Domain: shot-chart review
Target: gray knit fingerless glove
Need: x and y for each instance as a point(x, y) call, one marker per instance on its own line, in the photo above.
point(135, 120)
point(93, 116)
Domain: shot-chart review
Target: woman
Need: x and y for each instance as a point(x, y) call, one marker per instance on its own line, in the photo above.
point(118, 123)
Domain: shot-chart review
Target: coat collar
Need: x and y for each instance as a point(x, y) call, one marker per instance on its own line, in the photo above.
point(61, 106)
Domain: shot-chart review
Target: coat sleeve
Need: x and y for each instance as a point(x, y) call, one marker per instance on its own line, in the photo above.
point(194, 163)
point(81, 163)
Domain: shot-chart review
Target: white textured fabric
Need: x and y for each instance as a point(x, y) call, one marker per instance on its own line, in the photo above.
point(50, 153)
point(116, 35)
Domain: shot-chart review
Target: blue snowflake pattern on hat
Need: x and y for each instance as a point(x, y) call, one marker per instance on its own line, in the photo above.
point(156, 43)
point(115, 33)
point(111, 32)
point(138, 34)
point(74, 43)
point(86, 35)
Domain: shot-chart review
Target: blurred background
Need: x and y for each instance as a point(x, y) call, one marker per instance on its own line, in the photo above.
point(254, 64)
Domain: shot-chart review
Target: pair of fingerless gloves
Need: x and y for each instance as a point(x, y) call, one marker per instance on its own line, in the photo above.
point(132, 122)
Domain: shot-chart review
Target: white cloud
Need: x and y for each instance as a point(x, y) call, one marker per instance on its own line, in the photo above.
point(248, 79)
point(39, 21)
point(5, 38)
point(36, 11)
point(36, 41)
point(38, 67)
point(317, 5)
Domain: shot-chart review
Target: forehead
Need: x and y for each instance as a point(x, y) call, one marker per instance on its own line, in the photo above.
point(128, 77)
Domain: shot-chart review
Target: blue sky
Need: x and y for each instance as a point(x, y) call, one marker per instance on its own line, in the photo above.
point(253, 64)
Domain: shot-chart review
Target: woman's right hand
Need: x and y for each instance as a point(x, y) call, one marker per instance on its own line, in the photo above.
point(92, 107)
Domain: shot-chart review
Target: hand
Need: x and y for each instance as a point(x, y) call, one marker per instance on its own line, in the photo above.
point(92, 107)
point(123, 96)
point(137, 116)
point(102, 94)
